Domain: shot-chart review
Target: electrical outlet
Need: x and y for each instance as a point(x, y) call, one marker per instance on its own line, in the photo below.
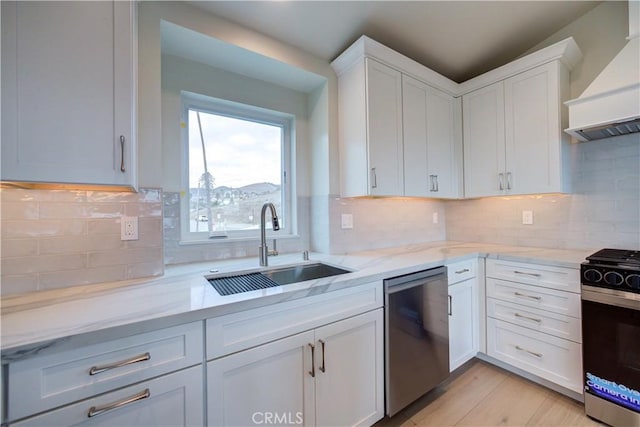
point(527, 217)
point(346, 221)
point(129, 228)
point(434, 217)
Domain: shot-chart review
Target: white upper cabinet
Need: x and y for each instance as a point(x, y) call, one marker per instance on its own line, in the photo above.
point(533, 130)
point(513, 138)
point(399, 136)
point(370, 109)
point(68, 97)
point(484, 149)
point(431, 141)
point(384, 129)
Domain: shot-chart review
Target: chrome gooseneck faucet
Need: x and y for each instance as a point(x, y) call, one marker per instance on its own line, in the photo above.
point(264, 250)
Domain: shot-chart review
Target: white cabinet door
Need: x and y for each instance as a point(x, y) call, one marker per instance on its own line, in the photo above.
point(349, 371)
point(171, 400)
point(429, 135)
point(68, 92)
point(384, 129)
point(533, 132)
point(484, 147)
point(463, 322)
point(256, 385)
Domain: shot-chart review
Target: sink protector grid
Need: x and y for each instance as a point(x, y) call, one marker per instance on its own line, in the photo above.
point(241, 283)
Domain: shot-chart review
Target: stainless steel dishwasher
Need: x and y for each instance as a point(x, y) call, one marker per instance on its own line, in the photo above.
point(416, 336)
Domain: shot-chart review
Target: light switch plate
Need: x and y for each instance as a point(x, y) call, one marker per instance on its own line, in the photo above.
point(527, 217)
point(346, 222)
point(434, 217)
point(129, 228)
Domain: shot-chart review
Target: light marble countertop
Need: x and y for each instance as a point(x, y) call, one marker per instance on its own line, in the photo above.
point(83, 315)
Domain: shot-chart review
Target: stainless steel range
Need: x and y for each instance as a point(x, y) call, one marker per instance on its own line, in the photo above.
point(611, 336)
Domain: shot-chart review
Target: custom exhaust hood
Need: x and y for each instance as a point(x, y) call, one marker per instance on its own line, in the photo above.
point(610, 106)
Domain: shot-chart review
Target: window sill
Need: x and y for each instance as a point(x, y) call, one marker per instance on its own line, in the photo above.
point(218, 241)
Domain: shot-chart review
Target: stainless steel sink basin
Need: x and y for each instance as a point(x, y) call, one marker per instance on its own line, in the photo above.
point(229, 285)
point(302, 272)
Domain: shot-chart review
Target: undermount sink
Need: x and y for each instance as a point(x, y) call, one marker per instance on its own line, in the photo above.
point(229, 285)
point(302, 272)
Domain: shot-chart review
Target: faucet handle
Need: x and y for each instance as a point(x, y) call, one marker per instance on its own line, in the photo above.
point(274, 251)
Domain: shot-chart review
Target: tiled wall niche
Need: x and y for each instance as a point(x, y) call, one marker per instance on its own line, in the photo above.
point(57, 238)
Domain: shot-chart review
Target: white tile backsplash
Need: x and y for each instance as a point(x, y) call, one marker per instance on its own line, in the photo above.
point(58, 238)
point(602, 211)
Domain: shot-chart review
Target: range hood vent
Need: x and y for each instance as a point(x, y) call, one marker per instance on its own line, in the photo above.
point(608, 131)
point(610, 106)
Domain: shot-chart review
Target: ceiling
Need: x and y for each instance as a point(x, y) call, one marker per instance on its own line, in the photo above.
point(459, 39)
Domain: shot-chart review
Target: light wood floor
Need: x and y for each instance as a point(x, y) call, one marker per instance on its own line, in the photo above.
point(480, 394)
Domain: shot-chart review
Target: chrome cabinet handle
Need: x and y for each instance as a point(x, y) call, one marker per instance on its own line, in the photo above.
point(94, 411)
point(322, 368)
point(312, 372)
point(464, 270)
point(518, 294)
point(122, 153)
point(508, 180)
point(529, 351)
point(434, 183)
point(501, 181)
point(527, 317)
point(450, 305)
point(527, 274)
point(374, 178)
point(95, 370)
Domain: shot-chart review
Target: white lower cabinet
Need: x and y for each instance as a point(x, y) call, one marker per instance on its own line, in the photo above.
point(171, 400)
point(533, 320)
point(463, 312)
point(332, 375)
point(463, 323)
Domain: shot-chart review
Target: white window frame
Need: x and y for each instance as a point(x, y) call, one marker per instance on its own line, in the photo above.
point(236, 110)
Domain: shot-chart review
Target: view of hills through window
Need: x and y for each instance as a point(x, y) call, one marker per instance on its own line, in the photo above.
point(235, 166)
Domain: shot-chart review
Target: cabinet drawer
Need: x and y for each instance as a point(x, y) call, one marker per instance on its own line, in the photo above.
point(561, 302)
point(239, 331)
point(460, 271)
point(559, 325)
point(560, 278)
point(171, 400)
point(52, 380)
point(551, 358)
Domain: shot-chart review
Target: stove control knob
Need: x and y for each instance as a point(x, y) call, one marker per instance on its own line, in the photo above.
point(633, 281)
point(613, 278)
point(592, 276)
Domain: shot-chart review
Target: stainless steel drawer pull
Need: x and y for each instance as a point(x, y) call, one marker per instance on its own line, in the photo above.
point(374, 178)
point(94, 411)
point(450, 305)
point(322, 368)
point(464, 270)
point(527, 274)
point(518, 294)
point(95, 370)
point(508, 180)
point(312, 372)
point(501, 181)
point(527, 317)
point(529, 351)
point(122, 153)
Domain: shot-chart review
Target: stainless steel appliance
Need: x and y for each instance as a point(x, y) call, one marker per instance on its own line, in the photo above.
point(416, 336)
point(611, 336)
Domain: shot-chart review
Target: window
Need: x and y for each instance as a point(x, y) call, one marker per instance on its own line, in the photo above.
point(237, 160)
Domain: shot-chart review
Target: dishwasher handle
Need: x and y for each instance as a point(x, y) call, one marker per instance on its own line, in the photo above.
point(399, 284)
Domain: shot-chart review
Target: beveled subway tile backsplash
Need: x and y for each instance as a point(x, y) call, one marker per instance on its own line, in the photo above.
point(60, 238)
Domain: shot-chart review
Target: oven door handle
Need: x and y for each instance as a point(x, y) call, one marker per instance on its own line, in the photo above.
point(611, 297)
